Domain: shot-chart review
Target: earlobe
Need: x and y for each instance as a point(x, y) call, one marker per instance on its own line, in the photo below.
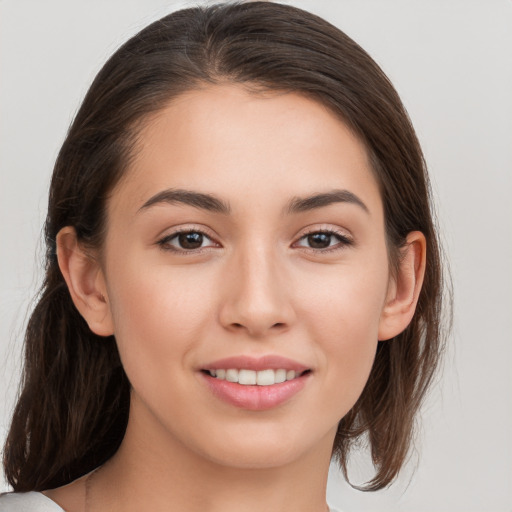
point(404, 288)
point(85, 281)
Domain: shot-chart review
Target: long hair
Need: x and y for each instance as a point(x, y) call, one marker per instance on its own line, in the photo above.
point(73, 405)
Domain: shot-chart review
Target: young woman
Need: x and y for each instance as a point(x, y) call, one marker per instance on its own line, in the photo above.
point(243, 277)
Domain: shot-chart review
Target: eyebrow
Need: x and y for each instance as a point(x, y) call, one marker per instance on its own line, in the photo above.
point(303, 204)
point(213, 204)
point(195, 199)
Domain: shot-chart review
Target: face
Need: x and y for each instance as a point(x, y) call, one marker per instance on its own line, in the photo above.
point(247, 234)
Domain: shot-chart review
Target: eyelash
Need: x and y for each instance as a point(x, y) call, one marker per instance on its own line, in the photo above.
point(343, 241)
point(164, 242)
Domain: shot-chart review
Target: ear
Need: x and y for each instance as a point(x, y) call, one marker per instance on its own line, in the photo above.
point(404, 288)
point(86, 283)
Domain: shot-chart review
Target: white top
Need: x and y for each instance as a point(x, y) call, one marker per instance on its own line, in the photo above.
point(27, 502)
point(34, 502)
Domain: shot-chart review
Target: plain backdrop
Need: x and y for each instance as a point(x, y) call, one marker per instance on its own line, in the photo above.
point(451, 62)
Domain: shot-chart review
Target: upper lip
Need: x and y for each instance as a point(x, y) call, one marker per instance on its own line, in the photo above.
point(267, 362)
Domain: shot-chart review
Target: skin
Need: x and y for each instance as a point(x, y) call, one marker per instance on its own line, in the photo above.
point(256, 287)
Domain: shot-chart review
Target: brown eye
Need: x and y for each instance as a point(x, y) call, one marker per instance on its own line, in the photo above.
point(186, 241)
point(319, 240)
point(324, 241)
point(191, 240)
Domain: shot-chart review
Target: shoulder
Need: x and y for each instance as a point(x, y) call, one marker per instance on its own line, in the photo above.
point(27, 502)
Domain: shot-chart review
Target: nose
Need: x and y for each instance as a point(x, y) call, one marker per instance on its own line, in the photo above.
point(256, 294)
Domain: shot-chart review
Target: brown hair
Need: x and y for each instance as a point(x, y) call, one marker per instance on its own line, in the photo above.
point(73, 406)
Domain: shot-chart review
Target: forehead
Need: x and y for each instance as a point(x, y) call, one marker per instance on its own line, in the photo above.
point(246, 145)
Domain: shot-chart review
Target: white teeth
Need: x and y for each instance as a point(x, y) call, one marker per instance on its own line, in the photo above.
point(280, 376)
point(290, 374)
point(232, 375)
point(247, 377)
point(265, 378)
point(251, 377)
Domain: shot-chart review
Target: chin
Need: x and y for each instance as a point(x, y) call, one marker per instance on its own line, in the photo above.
point(266, 448)
point(255, 457)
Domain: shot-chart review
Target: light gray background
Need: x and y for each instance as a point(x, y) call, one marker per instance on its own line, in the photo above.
point(451, 61)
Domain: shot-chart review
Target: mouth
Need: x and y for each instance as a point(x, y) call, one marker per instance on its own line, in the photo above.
point(266, 377)
point(255, 384)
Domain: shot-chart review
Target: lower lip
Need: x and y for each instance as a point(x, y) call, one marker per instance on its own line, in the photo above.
point(255, 398)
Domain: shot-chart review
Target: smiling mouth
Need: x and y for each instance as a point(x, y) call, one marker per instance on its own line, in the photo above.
point(256, 383)
point(245, 377)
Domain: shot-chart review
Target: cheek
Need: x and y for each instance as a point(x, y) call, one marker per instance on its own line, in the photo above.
point(159, 314)
point(343, 313)
point(345, 302)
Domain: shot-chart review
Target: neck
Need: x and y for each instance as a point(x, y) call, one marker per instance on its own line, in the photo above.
point(156, 472)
